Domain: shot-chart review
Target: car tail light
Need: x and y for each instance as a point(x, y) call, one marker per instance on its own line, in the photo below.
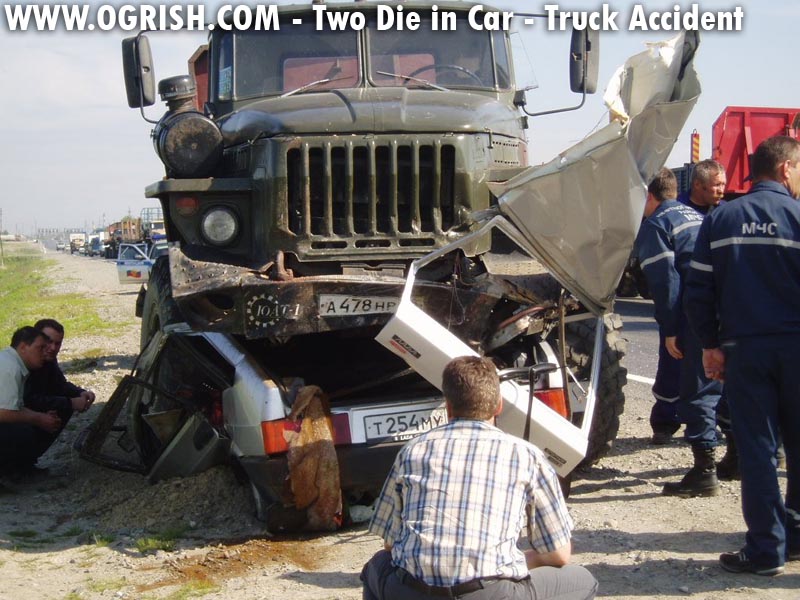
point(216, 416)
point(554, 398)
point(275, 442)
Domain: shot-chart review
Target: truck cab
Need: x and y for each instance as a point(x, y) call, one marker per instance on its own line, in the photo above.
point(329, 153)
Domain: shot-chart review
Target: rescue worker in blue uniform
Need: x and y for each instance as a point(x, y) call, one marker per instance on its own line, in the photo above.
point(651, 243)
point(665, 245)
point(742, 300)
point(705, 192)
point(706, 186)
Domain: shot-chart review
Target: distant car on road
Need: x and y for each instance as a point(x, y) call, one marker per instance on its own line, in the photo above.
point(60, 246)
point(97, 247)
point(135, 261)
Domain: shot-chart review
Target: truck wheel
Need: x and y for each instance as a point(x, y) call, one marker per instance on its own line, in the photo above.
point(613, 376)
point(159, 307)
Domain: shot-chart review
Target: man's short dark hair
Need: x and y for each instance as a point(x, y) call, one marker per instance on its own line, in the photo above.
point(26, 335)
point(664, 186)
point(51, 323)
point(705, 170)
point(472, 387)
point(771, 154)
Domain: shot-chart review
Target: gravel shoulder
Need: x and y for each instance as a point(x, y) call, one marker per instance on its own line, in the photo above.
point(73, 534)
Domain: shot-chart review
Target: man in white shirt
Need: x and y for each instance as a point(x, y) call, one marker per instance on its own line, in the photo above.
point(24, 433)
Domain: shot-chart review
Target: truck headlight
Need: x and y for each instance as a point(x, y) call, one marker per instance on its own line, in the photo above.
point(220, 226)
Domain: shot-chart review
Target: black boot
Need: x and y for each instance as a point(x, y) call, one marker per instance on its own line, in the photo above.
point(701, 480)
point(728, 467)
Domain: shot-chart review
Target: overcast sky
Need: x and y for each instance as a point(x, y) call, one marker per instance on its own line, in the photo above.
point(73, 154)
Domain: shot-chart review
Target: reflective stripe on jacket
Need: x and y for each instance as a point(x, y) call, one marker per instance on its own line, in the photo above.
point(664, 247)
point(744, 277)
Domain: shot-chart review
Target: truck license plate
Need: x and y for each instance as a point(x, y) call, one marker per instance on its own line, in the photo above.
point(336, 305)
point(403, 425)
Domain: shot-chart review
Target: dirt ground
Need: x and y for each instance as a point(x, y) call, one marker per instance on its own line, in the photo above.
point(73, 534)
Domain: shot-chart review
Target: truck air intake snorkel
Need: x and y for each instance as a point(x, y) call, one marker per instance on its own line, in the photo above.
point(187, 142)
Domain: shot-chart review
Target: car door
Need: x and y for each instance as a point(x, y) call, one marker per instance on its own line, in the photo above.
point(133, 265)
point(165, 419)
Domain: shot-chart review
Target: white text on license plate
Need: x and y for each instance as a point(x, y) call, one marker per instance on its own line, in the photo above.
point(404, 425)
point(340, 304)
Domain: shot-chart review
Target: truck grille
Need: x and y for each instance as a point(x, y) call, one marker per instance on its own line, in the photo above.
point(371, 189)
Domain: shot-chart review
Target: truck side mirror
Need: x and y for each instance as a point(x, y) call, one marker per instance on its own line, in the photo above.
point(137, 66)
point(584, 61)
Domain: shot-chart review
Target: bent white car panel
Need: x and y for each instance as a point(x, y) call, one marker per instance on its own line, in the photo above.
point(580, 212)
point(253, 398)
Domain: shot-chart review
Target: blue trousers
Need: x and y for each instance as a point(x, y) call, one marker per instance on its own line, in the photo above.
point(664, 414)
point(699, 395)
point(763, 389)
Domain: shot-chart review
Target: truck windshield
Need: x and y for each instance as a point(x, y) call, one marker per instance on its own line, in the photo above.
point(299, 58)
point(280, 62)
point(462, 57)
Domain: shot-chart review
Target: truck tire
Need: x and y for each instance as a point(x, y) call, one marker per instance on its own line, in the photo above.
point(613, 377)
point(159, 307)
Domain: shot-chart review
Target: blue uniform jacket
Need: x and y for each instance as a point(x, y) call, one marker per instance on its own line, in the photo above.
point(664, 247)
point(744, 277)
point(684, 198)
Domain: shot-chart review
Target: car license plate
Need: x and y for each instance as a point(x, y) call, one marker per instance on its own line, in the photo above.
point(403, 425)
point(336, 305)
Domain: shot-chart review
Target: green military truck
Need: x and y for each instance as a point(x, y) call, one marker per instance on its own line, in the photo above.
point(307, 167)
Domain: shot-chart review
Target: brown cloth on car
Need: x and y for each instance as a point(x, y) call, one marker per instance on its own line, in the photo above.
point(313, 465)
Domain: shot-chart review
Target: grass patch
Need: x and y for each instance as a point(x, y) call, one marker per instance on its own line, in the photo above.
point(73, 596)
point(103, 540)
point(33, 543)
point(164, 540)
point(24, 533)
point(154, 544)
point(79, 365)
point(20, 250)
point(24, 299)
point(71, 532)
point(32, 564)
point(195, 589)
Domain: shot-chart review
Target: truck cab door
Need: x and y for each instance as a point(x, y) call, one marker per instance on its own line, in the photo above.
point(133, 264)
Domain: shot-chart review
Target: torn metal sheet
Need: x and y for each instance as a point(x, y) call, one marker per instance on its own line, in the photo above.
point(580, 212)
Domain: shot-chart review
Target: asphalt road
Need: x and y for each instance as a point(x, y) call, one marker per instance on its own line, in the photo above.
point(641, 331)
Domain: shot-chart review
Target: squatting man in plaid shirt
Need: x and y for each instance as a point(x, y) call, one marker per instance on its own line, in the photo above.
point(456, 500)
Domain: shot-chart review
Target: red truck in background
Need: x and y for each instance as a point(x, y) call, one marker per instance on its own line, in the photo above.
point(735, 135)
point(739, 130)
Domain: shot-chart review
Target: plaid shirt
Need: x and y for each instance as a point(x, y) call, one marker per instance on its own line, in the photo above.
point(455, 502)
